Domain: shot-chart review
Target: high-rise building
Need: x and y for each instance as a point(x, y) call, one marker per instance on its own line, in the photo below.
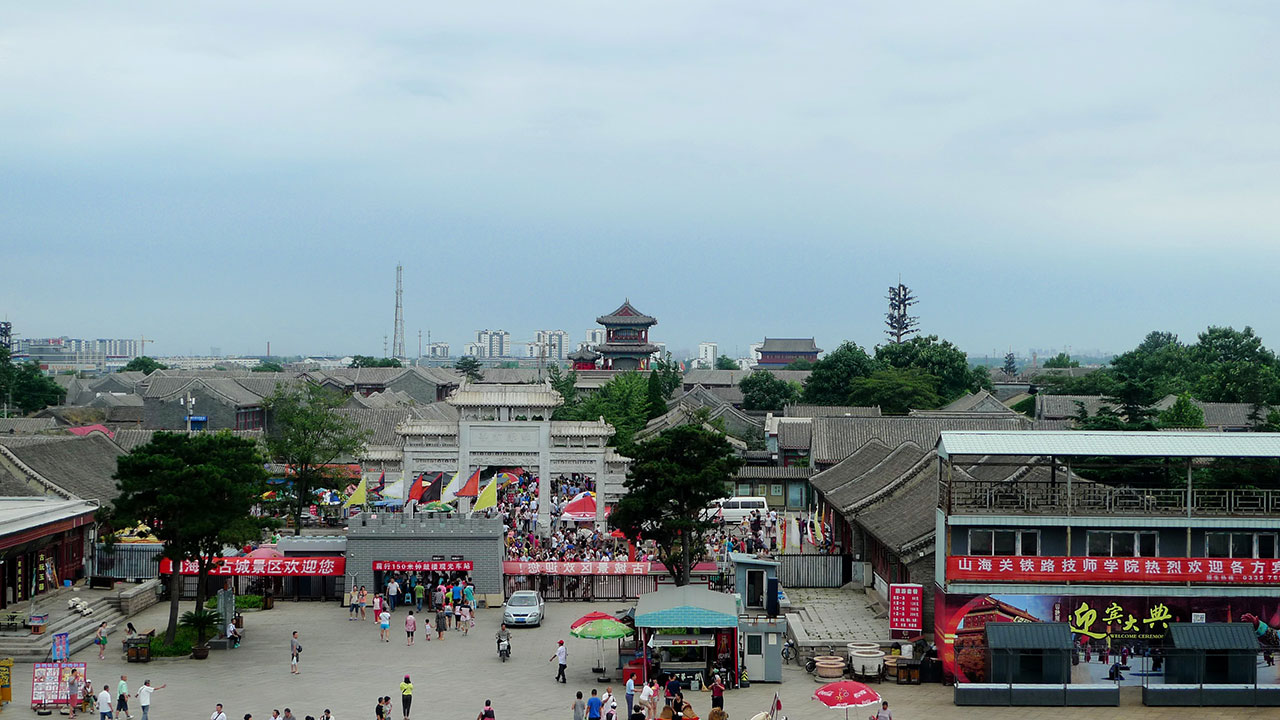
point(496, 343)
point(595, 336)
point(707, 353)
point(551, 344)
point(437, 350)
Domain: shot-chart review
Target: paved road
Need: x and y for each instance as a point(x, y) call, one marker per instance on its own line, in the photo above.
point(345, 667)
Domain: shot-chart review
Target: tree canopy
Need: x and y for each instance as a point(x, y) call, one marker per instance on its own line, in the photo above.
point(366, 361)
point(143, 364)
point(25, 387)
point(305, 434)
point(673, 478)
point(623, 402)
point(1182, 414)
point(1010, 365)
point(268, 366)
point(1061, 360)
point(828, 383)
point(668, 372)
point(762, 390)
point(939, 358)
point(799, 364)
point(197, 494)
point(724, 362)
point(895, 390)
point(470, 367)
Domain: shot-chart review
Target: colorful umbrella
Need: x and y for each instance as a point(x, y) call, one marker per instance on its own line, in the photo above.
point(581, 509)
point(436, 506)
point(601, 629)
point(589, 617)
point(846, 694)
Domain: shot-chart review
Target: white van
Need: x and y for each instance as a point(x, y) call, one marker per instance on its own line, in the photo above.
point(736, 509)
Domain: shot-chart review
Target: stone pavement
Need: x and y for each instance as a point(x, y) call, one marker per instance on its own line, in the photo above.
point(834, 616)
point(345, 666)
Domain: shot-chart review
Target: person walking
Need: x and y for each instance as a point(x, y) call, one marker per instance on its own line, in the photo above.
point(122, 697)
point(354, 600)
point(630, 695)
point(364, 601)
point(717, 692)
point(410, 626)
point(594, 706)
point(464, 612)
point(295, 649)
point(406, 696)
point(75, 692)
point(100, 637)
point(218, 714)
point(652, 689)
point(393, 591)
point(884, 713)
point(384, 624)
point(442, 622)
point(606, 698)
point(562, 657)
point(419, 594)
point(104, 704)
point(578, 707)
point(486, 713)
point(144, 697)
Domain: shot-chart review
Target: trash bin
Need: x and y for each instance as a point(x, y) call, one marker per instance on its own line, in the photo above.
point(268, 601)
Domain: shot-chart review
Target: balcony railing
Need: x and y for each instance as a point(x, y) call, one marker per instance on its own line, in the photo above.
point(1047, 498)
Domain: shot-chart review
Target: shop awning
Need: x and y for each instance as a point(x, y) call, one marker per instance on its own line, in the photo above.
point(1028, 636)
point(661, 641)
point(1213, 636)
point(687, 606)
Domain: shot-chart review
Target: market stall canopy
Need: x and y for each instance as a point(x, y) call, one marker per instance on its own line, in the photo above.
point(687, 606)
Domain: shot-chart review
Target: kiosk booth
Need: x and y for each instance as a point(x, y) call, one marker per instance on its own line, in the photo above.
point(690, 632)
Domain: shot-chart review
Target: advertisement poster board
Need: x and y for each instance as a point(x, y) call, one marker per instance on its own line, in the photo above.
point(49, 682)
point(906, 609)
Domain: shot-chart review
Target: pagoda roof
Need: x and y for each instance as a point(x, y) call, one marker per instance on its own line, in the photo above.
point(626, 348)
point(626, 315)
point(586, 354)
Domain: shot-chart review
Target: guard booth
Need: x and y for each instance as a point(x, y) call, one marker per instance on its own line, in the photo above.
point(1029, 653)
point(1210, 653)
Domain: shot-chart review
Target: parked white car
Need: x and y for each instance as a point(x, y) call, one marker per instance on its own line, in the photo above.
point(524, 607)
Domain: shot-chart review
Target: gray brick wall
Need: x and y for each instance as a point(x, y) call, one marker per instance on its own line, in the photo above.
point(395, 537)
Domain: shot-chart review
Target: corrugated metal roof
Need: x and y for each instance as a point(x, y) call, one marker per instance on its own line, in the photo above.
point(1028, 636)
point(1109, 444)
point(1212, 636)
point(688, 606)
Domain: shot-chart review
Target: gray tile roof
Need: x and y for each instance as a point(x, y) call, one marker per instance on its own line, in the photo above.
point(130, 438)
point(82, 466)
point(981, 401)
point(905, 519)
point(626, 314)
point(1064, 407)
point(758, 472)
point(725, 378)
point(379, 424)
point(812, 411)
point(834, 439)
point(852, 467)
point(903, 462)
point(795, 435)
point(728, 394)
point(28, 425)
point(789, 345)
point(511, 376)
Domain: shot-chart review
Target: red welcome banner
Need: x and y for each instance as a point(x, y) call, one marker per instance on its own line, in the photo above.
point(420, 565)
point(273, 567)
point(1018, 569)
point(575, 568)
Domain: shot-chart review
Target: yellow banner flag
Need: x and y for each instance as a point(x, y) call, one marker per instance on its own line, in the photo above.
point(358, 496)
point(488, 497)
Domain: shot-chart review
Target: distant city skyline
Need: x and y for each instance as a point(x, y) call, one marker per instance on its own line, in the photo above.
point(234, 174)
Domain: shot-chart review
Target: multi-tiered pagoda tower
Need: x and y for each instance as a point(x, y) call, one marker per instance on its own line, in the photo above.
point(626, 344)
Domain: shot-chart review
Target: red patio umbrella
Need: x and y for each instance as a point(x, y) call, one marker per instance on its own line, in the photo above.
point(846, 694)
point(582, 509)
point(590, 617)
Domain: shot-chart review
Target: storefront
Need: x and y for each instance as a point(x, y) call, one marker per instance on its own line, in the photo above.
point(690, 632)
point(42, 543)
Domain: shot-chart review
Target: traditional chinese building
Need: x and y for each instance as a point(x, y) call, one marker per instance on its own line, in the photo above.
point(777, 353)
point(626, 344)
point(584, 359)
point(1026, 534)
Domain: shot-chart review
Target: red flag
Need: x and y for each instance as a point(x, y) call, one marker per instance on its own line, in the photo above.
point(472, 488)
point(415, 490)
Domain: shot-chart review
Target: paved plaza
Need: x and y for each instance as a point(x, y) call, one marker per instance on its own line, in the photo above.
point(345, 666)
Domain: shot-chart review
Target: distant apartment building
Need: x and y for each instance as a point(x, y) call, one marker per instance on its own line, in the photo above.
point(551, 344)
point(437, 351)
point(661, 352)
point(493, 344)
point(475, 350)
point(595, 336)
point(196, 362)
point(67, 354)
point(707, 353)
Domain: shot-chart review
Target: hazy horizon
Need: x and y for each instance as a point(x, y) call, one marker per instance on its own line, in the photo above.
point(231, 174)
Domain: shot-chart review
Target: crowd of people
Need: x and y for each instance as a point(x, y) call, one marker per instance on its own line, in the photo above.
point(641, 701)
point(450, 597)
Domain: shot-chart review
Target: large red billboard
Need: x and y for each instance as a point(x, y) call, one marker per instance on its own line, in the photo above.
point(981, 568)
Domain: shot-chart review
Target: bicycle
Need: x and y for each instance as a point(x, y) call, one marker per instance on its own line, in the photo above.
point(788, 651)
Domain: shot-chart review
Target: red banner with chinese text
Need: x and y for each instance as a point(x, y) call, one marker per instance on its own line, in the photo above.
point(962, 568)
point(421, 565)
point(602, 567)
point(263, 567)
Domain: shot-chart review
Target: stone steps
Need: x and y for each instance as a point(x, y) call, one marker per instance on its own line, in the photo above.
point(23, 646)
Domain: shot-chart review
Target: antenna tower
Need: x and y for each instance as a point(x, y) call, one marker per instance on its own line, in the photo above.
point(397, 344)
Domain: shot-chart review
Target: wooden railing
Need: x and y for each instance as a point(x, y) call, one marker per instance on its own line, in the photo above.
point(1046, 498)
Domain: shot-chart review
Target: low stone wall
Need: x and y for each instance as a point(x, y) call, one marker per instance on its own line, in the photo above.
point(133, 599)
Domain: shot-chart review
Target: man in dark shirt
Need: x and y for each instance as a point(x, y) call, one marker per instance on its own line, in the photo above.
point(673, 687)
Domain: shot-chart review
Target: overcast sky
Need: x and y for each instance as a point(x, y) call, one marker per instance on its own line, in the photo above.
point(1041, 174)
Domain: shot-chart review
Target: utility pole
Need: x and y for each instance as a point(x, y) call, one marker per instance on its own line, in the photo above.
point(384, 345)
point(415, 362)
point(189, 403)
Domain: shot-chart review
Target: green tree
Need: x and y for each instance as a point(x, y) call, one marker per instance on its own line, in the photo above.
point(25, 387)
point(1010, 364)
point(762, 390)
point(828, 384)
point(1061, 360)
point(896, 390)
point(724, 362)
point(1160, 360)
point(304, 434)
point(623, 402)
point(800, 364)
point(365, 361)
point(197, 494)
point(1098, 382)
point(470, 367)
point(1233, 366)
point(268, 366)
point(938, 358)
point(1182, 414)
point(672, 480)
point(143, 364)
point(656, 397)
point(669, 371)
point(565, 383)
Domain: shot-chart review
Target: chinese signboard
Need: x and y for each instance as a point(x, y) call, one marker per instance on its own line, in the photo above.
point(49, 682)
point(906, 607)
point(962, 568)
point(575, 568)
point(421, 565)
point(263, 567)
point(61, 647)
